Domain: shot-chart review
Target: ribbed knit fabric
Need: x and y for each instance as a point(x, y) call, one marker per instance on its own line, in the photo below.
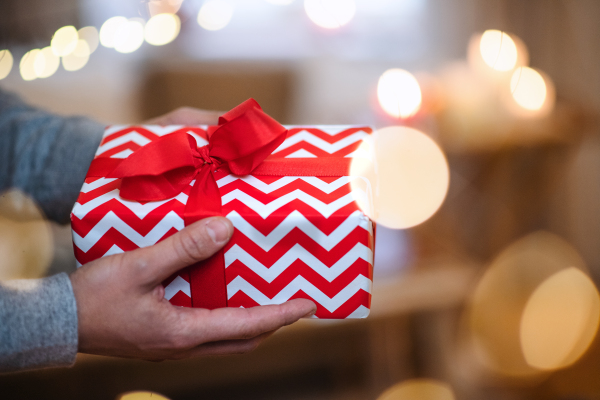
point(45, 156)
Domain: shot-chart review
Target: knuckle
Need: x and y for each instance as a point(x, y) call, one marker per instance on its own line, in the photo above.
point(191, 247)
point(133, 263)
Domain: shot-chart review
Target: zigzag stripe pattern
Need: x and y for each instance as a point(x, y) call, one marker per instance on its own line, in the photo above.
point(264, 210)
point(331, 304)
point(141, 210)
point(297, 252)
point(295, 220)
point(305, 136)
point(278, 184)
point(112, 221)
point(295, 236)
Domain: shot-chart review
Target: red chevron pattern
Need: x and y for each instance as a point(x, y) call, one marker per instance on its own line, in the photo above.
point(295, 237)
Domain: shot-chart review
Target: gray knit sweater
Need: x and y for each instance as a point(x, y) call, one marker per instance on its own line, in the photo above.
point(46, 156)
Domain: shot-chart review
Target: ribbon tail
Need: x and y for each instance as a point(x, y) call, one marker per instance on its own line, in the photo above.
point(207, 278)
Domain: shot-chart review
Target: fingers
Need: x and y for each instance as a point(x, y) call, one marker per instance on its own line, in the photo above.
point(187, 116)
point(197, 242)
point(238, 323)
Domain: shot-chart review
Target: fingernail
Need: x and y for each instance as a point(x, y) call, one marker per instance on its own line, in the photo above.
point(218, 230)
point(310, 314)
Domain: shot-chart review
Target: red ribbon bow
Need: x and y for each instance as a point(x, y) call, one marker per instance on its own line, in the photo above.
point(162, 169)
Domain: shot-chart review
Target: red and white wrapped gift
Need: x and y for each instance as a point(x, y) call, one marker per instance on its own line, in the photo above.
point(299, 232)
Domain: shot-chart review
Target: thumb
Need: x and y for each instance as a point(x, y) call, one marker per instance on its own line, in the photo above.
point(192, 244)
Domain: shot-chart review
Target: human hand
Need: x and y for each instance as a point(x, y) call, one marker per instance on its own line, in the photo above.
point(187, 116)
point(122, 310)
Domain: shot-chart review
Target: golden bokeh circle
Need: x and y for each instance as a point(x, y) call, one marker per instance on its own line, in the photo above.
point(407, 174)
point(497, 306)
point(419, 389)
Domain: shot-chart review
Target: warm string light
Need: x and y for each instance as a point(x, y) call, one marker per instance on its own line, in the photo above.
point(74, 46)
point(399, 93)
point(215, 15)
point(156, 7)
point(64, 41)
point(90, 35)
point(26, 66)
point(46, 62)
point(78, 58)
point(162, 29)
point(502, 58)
point(498, 50)
point(129, 36)
point(330, 14)
point(528, 88)
point(6, 63)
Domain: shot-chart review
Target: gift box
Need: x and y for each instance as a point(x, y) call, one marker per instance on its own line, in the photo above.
point(299, 232)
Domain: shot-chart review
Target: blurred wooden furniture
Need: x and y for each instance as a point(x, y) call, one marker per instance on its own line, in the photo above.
point(217, 86)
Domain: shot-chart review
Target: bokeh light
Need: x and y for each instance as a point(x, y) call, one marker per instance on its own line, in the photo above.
point(46, 63)
point(162, 29)
point(215, 14)
point(409, 175)
point(109, 29)
point(330, 14)
point(498, 50)
point(399, 93)
point(6, 63)
point(560, 320)
point(129, 36)
point(64, 41)
point(78, 58)
point(528, 88)
point(419, 389)
point(90, 35)
point(26, 66)
point(26, 240)
point(156, 7)
point(496, 310)
point(496, 54)
point(141, 396)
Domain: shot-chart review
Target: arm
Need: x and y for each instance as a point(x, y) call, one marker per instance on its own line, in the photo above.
point(45, 155)
point(45, 322)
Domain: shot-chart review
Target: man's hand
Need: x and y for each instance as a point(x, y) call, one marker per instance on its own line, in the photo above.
point(122, 311)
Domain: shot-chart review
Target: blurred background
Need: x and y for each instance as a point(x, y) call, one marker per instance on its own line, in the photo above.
point(485, 287)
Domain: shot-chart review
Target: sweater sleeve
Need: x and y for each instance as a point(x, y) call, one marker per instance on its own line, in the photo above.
point(38, 323)
point(45, 155)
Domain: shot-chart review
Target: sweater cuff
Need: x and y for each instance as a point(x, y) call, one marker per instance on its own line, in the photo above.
point(38, 323)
